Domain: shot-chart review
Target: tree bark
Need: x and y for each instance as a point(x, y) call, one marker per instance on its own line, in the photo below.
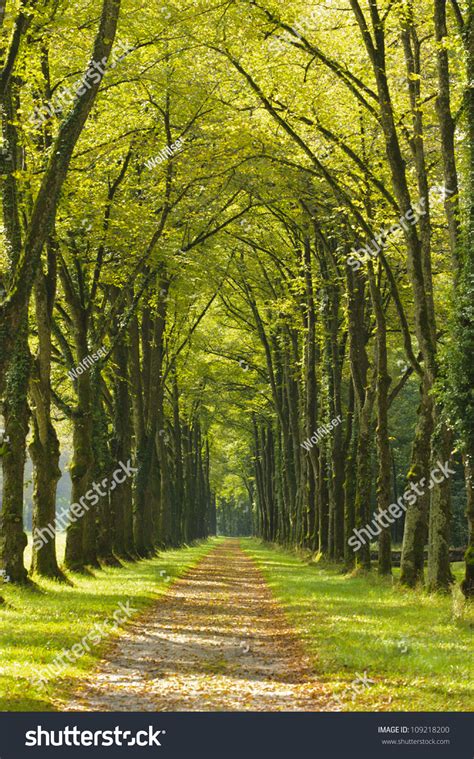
point(44, 449)
point(15, 410)
point(383, 446)
point(416, 517)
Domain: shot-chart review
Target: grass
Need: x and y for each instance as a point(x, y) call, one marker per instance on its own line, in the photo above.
point(416, 648)
point(39, 622)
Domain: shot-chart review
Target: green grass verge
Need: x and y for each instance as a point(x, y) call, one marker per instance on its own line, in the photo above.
point(416, 648)
point(37, 623)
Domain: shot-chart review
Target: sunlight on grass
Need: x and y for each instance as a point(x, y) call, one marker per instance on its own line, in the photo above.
point(37, 623)
point(412, 645)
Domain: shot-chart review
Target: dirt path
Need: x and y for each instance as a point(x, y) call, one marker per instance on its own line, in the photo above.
point(217, 641)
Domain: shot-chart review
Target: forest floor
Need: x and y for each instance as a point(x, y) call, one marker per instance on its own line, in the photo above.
point(217, 641)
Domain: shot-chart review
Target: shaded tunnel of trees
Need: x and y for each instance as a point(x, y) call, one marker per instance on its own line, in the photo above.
point(271, 319)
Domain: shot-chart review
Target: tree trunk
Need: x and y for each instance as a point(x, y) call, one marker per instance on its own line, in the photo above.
point(439, 576)
point(44, 449)
point(467, 585)
point(80, 542)
point(416, 516)
point(363, 477)
point(178, 530)
point(121, 496)
point(349, 477)
point(15, 410)
point(103, 465)
point(45, 455)
point(383, 445)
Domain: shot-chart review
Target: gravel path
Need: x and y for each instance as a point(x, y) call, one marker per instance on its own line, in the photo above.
point(216, 641)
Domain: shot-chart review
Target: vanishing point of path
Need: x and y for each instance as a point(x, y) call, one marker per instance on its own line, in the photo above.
point(216, 641)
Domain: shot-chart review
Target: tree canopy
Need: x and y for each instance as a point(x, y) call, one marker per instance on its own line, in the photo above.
point(237, 251)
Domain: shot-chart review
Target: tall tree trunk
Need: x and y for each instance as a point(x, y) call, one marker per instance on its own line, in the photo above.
point(15, 411)
point(383, 445)
point(138, 411)
point(44, 448)
point(466, 322)
point(439, 575)
point(352, 434)
point(467, 584)
point(178, 529)
point(323, 501)
point(14, 366)
point(416, 517)
point(363, 478)
point(103, 465)
point(364, 400)
point(121, 496)
point(45, 454)
point(189, 484)
point(80, 545)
